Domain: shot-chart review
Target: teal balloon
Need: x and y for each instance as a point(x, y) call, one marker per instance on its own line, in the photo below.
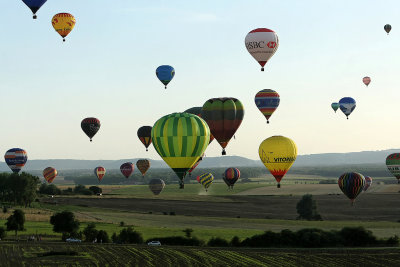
point(335, 106)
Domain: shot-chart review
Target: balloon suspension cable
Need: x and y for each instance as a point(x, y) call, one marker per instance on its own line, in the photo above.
point(278, 185)
point(34, 16)
point(262, 69)
point(223, 152)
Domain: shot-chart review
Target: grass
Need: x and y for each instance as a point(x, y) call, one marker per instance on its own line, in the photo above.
point(63, 254)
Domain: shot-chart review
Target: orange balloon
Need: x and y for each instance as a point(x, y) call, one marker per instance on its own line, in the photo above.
point(49, 174)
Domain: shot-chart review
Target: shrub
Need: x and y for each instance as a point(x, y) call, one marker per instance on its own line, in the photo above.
point(393, 241)
point(179, 241)
point(307, 208)
point(357, 237)
point(235, 242)
point(3, 233)
point(122, 224)
point(102, 237)
point(96, 190)
point(188, 232)
point(217, 242)
point(64, 222)
point(90, 232)
point(129, 236)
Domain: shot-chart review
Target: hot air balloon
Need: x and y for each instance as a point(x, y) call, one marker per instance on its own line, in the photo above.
point(127, 169)
point(366, 80)
point(387, 28)
point(63, 23)
point(262, 44)
point(180, 139)
point(393, 165)
point(197, 111)
point(231, 175)
point(223, 116)
point(206, 180)
point(143, 166)
point(267, 101)
point(90, 126)
point(368, 182)
point(278, 153)
point(100, 172)
point(195, 165)
point(34, 5)
point(16, 159)
point(144, 134)
point(351, 184)
point(335, 106)
point(347, 105)
point(49, 174)
point(156, 186)
point(165, 74)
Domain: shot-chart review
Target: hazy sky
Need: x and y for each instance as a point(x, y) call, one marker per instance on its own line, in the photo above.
point(106, 69)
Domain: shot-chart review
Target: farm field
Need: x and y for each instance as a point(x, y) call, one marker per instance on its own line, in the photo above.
point(42, 254)
point(219, 215)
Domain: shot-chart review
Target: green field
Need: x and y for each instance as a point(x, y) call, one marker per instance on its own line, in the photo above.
point(40, 254)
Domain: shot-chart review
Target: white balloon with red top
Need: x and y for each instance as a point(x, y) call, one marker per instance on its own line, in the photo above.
point(262, 44)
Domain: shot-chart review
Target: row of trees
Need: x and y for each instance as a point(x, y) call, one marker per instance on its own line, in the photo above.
point(51, 189)
point(19, 189)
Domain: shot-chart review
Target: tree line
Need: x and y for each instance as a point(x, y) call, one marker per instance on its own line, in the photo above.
point(18, 189)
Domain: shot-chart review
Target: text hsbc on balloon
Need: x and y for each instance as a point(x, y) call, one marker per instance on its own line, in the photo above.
point(255, 45)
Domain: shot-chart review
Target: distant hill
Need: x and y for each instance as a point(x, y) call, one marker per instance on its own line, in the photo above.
point(328, 159)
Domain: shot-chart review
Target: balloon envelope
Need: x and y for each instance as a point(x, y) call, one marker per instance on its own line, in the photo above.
point(165, 74)
point(49, 174)
point(206, 179)
point(393, 165)
point(267, 101)
point(156, 186)
point(180, 139)
point(347, 105)
point(335, 106)
point(387, 28)
point(262, 44)
point(223, 116)
point(100, 172)
point(278, 153)
point(368, 182)
point(63, 23)
point(16, 159)
point(143, 166)
point(34, 5)
point(127, 169)
point(366, 80)
point(197, 111)
point(90, 126)
point(231, 175)
point(144, 134)
point(351, 184)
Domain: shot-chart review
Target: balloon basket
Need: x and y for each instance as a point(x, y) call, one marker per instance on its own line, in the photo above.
point(34, 17)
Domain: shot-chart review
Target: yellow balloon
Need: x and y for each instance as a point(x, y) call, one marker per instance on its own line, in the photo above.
point(278, 154)
point(63, 23)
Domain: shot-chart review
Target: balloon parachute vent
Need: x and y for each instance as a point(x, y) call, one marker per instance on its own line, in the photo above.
point(34, 17)
point(223, 152)
point(262, 69)
point(278, 185)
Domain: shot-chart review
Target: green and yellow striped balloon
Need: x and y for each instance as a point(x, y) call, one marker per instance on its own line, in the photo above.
point(180, 139)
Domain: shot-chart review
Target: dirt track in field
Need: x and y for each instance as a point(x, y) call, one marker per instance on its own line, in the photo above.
point(368, 206)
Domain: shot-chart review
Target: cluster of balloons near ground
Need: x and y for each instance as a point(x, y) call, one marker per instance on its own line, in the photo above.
point(181, 138)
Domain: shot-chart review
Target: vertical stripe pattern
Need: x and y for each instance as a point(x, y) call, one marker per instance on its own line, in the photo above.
point(351, 184)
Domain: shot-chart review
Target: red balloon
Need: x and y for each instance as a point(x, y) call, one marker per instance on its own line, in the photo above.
point(127, 169)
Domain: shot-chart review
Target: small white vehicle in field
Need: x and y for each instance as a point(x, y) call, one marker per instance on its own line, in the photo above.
point(154, 243)
point(73, 240)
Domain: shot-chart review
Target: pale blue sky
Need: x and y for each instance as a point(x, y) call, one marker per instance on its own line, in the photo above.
point(107, 66)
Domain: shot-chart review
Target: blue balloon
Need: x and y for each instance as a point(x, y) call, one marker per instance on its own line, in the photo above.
point(16, 159)
point(165, 74)
point(347, 105)
point(34, 5)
